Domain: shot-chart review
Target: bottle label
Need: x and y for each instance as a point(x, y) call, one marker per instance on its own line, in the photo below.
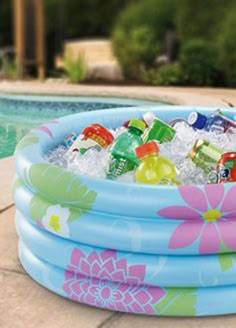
point(159, 131)
point(83, 143)
point(119, 166)
point(226, 168)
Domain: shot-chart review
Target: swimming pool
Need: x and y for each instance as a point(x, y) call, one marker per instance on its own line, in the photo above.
point(20, 113)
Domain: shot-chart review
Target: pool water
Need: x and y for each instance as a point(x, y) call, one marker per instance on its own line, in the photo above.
point(19, 114)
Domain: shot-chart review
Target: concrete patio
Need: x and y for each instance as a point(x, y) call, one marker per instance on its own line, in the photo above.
point(174, 95)
point(23, 303)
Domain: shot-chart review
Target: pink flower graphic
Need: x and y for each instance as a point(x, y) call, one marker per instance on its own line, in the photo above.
point(120, 286)
point(105, 265)
point(209, 216)
point(46, 129)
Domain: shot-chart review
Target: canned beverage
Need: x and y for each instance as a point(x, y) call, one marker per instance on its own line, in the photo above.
point(159, 131)
point(226, 167)
point(93, 136)
point(70, 139)
point(216, 122)
point(205, 155)
point(177, 120)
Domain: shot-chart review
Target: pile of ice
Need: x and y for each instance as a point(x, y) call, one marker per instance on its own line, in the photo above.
point(95, 163)
point(178, 148)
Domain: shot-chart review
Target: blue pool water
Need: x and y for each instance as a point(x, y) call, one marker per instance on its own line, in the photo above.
point(19, 114)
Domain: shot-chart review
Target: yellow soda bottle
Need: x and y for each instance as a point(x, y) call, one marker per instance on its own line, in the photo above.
point(154, 168)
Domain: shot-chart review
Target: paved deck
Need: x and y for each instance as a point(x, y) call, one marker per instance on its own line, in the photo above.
point(25, 304)
point(175, 95)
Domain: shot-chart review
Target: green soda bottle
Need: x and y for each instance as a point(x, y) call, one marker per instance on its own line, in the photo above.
point(122, 153)
point(154, 168)
point(159, 131)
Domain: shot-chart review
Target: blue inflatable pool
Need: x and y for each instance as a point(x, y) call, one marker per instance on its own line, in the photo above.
point(159, 250)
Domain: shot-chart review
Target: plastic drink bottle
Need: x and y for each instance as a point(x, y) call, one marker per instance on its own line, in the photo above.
point(93, 136)
point(122, 153)
point(153, 167)
point(159, 131)
point(147, 118)
point(215, 122)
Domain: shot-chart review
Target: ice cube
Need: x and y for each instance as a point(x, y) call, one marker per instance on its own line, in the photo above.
point(127, 177)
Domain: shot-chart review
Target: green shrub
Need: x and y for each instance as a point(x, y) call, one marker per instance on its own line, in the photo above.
point(10, 69)
point(139, 50)
point(227, 47)
point(169, 74)
point(199, 63)
point(201, 18)
point(140, 33)
point(75, 68)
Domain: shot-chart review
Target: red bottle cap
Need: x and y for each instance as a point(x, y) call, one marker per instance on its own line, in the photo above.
point(126, 124)
point(99, 130)
point(147, 148)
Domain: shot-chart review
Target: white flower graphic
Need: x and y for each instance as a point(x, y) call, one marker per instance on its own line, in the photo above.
point(56, 220)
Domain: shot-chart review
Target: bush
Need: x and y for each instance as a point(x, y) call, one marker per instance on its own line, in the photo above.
point(138, 51)
point(169, 74)
point(140, 33)
point(10, 69)
point(199, 63)
point(201, 18)
point(76, 68)
point(227, 47)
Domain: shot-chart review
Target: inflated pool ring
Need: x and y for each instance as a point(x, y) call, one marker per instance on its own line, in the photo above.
point(168, 250)
point(116, 232)
point(130, 298)
point(161, 270)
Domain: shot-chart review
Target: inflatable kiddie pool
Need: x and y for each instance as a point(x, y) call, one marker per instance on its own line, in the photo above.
point(159, 250)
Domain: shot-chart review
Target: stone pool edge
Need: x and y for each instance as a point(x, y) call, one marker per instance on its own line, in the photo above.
point(171, 95)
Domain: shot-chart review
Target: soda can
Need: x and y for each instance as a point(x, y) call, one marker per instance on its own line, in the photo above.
point(70, 139)
point(226, 167)
point(205, 154)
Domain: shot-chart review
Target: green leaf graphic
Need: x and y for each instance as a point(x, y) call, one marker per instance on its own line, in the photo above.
point(28, 140)
point(39, 207)
point(226, 261)
point(176, 300)
point(61, 186)
point(16, 184)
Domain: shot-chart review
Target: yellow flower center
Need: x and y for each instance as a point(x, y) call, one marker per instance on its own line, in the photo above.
point(212, 215)
point(54, 222)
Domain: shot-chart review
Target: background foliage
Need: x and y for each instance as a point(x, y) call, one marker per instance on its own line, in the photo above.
point(197, 36)
point(203, 42)
point(140, 33)
point(66, 19)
